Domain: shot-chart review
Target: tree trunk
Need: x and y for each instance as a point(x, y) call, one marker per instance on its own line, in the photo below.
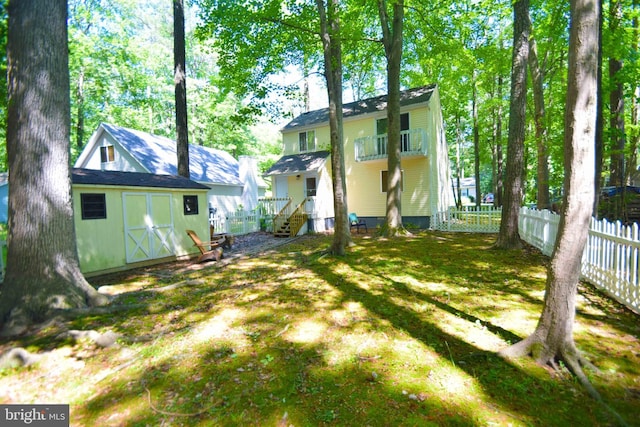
point(43, 271)
point(476, 143)
point(634, 133)
point(508, 236)
point(392, 41)
point(499, 158)
point(599, 140)
point(458, 163)
point(80, 111)
point(180, 80)
point(542, 170)
point(552, 341)
point(332, 50)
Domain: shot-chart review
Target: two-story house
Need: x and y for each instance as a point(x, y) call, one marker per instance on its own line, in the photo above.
point(304, 171)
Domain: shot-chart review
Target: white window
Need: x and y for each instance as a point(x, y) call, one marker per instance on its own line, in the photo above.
point(107, 154)
point(307, 141)
point(311, 187)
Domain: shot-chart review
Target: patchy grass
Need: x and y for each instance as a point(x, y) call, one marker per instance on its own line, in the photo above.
point(397, 332)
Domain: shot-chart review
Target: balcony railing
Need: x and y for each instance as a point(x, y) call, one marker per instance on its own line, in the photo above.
point(413, 142)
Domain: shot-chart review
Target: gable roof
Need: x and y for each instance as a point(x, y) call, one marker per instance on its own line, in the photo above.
point(157, 154)
point(132, 179)
point(369, 105)
point(298, 163)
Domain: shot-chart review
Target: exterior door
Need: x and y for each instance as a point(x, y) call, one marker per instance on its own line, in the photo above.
point(282, 187)
point(148, 224)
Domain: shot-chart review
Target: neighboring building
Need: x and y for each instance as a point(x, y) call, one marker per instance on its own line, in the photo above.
point(129, 219)
point(4, 197)
point(232, 183)
point(304, 172)
point(467, 188)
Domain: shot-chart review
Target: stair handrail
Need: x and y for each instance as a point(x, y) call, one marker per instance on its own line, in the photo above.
point(297, 218)
point(282, 216)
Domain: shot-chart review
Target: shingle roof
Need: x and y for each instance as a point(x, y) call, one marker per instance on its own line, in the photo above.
point(370, 105)
point(157, 154)
point(298, 163)
point(132, 179)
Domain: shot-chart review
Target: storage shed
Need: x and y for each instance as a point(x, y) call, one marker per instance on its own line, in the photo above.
point(125, 220)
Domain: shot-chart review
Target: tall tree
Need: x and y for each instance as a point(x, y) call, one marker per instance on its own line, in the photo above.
point(512, 198)
point(392, 41)
point(542, 169)
point(332, 52)
point(599, 133)
point(616, 99)
point(43, 271)
point(552, 341)
point(180, 80)
point(476, 139)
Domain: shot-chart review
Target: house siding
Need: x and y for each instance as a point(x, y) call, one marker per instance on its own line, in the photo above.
point(425, 178)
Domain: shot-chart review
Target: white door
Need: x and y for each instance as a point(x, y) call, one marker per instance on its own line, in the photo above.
point(148, 226)
point(282, 187)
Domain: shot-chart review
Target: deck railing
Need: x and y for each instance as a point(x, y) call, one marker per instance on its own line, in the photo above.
point(282, 216)
point(412, 142)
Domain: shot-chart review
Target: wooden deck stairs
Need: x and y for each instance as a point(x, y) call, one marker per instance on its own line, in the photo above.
point(288, 224)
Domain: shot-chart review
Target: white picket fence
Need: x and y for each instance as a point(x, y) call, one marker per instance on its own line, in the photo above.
point(236, 223)
point(610, 260)
point(468, 219)
point(244, 222)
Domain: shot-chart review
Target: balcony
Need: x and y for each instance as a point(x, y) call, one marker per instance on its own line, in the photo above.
point(413, 142)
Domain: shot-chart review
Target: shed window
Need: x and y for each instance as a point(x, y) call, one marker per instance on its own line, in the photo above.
point(93, 206)
point(190, 205)
point(384, 175)
point(107, 154)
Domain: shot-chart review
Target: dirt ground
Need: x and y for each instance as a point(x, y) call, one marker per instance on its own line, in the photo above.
point(245, 245)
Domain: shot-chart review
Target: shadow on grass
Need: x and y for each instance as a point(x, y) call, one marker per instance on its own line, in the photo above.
point(294, 338)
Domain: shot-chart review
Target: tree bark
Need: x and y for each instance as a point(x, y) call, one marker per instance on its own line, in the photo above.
point(508, 236)
point(180, 80)
point(499, 157)
point(332, 50)
point(599, 140)
point(476, 143)
point(542, 169)
point(392, 41)
point(43, 271)
point(552, 340)
point(80, 111)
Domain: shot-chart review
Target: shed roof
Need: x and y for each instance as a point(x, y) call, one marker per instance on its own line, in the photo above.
point(157, 154)
point(298, 163)
point(132, 179)
point(369, 105)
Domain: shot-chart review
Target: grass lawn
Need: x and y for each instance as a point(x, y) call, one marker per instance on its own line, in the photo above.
point(398, 332)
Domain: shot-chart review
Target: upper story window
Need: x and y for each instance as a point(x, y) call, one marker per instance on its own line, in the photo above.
point(107, 154)
point(382, 126)
point(307, 141)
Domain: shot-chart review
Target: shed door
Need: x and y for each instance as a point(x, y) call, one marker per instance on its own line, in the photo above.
point(148, 226)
